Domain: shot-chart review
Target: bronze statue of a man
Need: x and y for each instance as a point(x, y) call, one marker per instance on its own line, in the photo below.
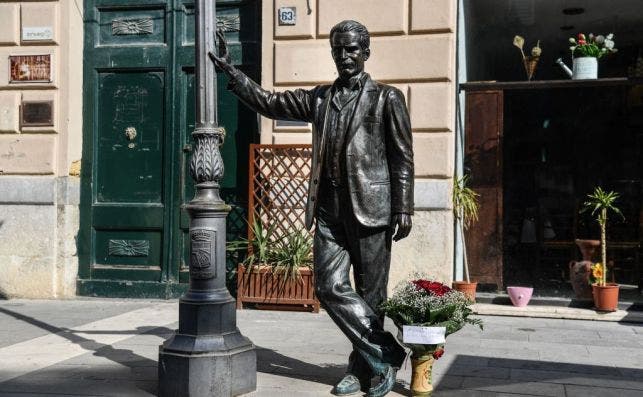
point(360, 193)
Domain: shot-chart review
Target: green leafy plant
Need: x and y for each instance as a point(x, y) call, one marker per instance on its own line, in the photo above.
point(465, 209)
point(423, 302)
point(259, 249)
point(600, 203)
point(592, 46)
point(285, 255)
point(292, 253)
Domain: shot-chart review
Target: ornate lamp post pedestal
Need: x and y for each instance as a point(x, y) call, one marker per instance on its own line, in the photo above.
point(207, 356)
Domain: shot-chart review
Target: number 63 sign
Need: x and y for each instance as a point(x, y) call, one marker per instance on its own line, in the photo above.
point(287, 16)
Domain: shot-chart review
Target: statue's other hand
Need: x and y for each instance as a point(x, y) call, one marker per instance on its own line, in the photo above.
point(403, 223)
point(223, 59)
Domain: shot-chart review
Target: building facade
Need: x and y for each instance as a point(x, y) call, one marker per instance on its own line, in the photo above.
point(45, 221)
point(40, 146)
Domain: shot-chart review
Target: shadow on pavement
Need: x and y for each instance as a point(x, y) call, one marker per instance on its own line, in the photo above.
point(534, 377)
point(271, 362)
point(124, 357)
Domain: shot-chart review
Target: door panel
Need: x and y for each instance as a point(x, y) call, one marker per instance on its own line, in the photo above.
point(483, 158)
point(130, 137)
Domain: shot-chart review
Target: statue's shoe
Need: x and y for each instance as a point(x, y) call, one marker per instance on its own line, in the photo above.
point(348, 385)
point(385, 385)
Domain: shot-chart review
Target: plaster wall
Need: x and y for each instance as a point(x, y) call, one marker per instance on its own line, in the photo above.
point(413, 47)
point(38, 197)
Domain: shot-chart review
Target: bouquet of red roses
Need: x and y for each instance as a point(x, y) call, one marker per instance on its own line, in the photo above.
point(425, 307)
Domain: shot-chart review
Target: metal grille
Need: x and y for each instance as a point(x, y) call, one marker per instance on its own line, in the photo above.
point(278, 187)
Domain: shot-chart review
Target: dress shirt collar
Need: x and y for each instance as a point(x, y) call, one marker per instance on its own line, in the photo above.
point(355, 82)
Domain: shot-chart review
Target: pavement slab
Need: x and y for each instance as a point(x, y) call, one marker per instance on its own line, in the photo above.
point(110, 348)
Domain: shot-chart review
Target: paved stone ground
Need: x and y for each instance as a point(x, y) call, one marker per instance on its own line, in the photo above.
point(109, 348)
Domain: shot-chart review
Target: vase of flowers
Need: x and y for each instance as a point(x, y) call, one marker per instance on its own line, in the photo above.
point(605, 294)
point(425, 313)
point(529, 61)
point(586, 51)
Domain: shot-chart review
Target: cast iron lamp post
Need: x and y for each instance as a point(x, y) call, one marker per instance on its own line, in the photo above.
point(207, 356)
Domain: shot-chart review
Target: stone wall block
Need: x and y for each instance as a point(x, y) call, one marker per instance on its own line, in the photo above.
point(434, 154)
point(27, 230)
point(379, 16)
point(432, 106)
point(433, 15)
point(393, 59)
point(304, 27)
point(9, 112)
point(9, 24)
point(433, 194)
point(412, 58)
point(30, 277)
point(304, 62)
point(292, 138)
point(39, 16)
point(427, 249)
point(27, 154)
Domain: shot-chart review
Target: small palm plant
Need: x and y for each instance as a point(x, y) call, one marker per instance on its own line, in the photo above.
point(465, 209)
point(600, 203)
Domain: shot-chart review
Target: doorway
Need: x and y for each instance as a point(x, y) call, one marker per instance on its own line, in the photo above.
point(138, 117)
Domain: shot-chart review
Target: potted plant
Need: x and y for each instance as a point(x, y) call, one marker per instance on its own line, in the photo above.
point(277, 272)
point(425, 313)
point(586, 51)
point(605, 294)
point(465, 209)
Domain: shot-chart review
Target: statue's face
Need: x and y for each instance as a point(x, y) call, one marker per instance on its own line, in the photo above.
point(348, 54)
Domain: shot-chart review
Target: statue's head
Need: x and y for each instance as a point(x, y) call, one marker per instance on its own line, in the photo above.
point(350, 42)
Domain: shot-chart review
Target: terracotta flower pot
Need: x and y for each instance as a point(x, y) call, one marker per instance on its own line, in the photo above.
point(468, 289)
point(588, 248)
point(520, 296)
point(605, 297)
point(579, 272)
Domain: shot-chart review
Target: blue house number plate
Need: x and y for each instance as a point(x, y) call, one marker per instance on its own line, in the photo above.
point(287, 16)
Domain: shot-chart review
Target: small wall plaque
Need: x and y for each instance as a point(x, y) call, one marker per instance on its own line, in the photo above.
point(38, 33)
point(29, 68)
point(37, 114)
point(287, 16)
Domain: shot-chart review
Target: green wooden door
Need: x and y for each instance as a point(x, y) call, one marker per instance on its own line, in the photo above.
point(138, 116)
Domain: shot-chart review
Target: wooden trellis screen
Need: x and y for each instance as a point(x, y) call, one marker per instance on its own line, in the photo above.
point(278, 186)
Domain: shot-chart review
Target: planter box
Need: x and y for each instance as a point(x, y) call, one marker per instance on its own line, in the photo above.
point(268, 290)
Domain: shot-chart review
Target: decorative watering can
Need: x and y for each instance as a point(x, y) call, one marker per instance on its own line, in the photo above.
point(583, 68)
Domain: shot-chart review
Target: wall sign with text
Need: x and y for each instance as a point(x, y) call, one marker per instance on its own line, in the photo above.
point(30, 68)
point(38, 33)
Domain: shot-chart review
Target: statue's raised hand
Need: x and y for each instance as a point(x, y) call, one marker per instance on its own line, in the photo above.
point(222, 61)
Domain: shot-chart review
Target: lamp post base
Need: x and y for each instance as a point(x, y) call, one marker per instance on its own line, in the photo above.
point(192, 365)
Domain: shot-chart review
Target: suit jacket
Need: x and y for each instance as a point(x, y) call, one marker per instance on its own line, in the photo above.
point(379, 152)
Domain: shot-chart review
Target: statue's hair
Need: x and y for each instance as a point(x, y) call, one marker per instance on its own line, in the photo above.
point(353, 26)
